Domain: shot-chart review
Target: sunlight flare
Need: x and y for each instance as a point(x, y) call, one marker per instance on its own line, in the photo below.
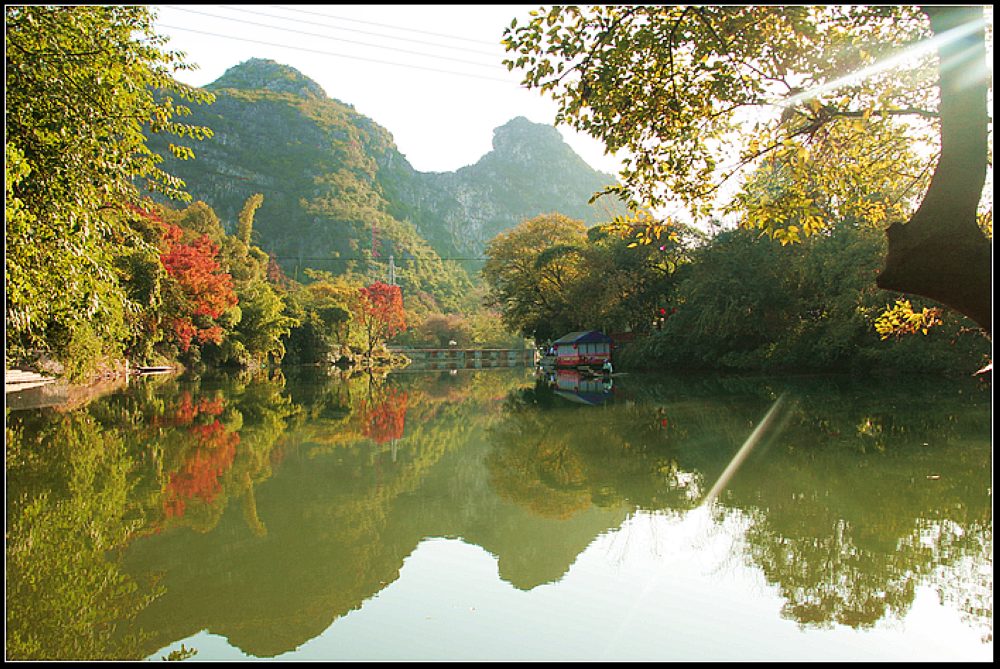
point(910, 54)
point(744, 451)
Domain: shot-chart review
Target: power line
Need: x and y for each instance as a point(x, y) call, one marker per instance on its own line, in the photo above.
point(361, 32)
point(336, 55)
point(321, 36)
point(384, 25)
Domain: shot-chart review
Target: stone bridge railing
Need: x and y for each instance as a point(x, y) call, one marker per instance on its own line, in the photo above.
point(469, 358)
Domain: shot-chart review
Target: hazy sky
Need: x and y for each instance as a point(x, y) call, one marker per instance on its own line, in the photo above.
point(429, 74)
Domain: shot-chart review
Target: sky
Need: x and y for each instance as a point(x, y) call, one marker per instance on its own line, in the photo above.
point(431, 75)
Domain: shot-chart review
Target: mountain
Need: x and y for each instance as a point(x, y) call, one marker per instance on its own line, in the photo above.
point(334, 182)
point(530, 171)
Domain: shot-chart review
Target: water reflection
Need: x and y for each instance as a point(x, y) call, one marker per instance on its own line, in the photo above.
point(580, 387)
point(264, 508)
point(68, 517)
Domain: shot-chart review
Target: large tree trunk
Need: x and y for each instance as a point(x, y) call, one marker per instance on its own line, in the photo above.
point(941, 253)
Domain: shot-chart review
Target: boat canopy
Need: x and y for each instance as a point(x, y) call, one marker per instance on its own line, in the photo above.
point(585, 337)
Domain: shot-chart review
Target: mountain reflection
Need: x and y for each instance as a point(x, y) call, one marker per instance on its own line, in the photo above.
point(263, 508)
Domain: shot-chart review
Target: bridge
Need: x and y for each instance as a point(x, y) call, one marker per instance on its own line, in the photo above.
point(469, 358)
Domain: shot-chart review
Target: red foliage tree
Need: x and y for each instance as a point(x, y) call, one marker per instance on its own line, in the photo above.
point(380, 311)
point(203, 292)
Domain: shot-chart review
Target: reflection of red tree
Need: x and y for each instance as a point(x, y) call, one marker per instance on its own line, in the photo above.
point(187, 410)
point(384, 420)
point(206, 461)
point(199, 475)
point(278, 453)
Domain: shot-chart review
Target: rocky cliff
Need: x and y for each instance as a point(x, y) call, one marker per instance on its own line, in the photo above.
point(530, 171)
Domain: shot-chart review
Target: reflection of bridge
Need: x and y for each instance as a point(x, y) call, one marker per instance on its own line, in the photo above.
point(469, 358)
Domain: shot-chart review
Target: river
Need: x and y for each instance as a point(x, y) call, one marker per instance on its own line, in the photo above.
point(497, 514)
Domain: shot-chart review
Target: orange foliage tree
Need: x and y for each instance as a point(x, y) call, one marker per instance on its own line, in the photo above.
point(200, 291)
point(379, 309)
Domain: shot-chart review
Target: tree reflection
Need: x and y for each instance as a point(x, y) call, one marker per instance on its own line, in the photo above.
point(206, 459)
point(345, 510)
point(264, 508)
point(68, 518)
point(383, 415)
point(557, 458)
point(536, 465)
point(210, 447)
point(84, 483)
point(867, 500)
point(867, 491)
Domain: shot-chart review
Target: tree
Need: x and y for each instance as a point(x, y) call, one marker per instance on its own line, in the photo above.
point(527, 268)
point(941, 253)
point(835, 93)
point(744, 302)
point(199, 292)
point(263, 325)
point(259, 335)
point(197, 219)
point(84, 86)
point(379, 309)
point(244, 226)
point(624, 283)
point(323, 308)
point(737, 299)
point(549, 276)
point(438, 329)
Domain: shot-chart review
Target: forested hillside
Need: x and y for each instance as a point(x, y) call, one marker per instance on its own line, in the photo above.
point(329, 175)
point(145, 222)
point(530, 171)
point(277, 134)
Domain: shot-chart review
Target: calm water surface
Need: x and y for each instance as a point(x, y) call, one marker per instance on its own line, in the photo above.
point(491, 514)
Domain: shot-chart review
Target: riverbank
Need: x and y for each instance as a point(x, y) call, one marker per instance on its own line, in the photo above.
point(44, 385)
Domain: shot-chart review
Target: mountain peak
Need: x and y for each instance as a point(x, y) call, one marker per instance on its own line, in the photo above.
point(520, 132)
point(535, 145)
point(266, 74)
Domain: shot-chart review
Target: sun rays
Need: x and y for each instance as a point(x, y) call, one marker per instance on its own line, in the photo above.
point(909, 55)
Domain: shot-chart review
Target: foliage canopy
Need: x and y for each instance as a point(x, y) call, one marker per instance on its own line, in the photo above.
point(677, 87)
point(819, 100)
point(84, 86)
